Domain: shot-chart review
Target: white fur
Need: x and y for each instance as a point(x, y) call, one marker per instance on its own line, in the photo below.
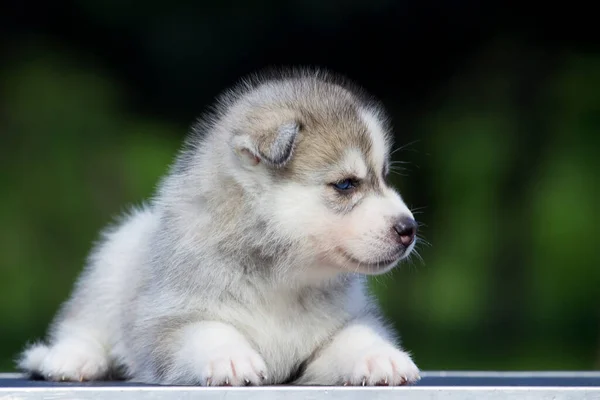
point(69, 359)
point(298, 209)
point(217, 354)
point(372, 360)
point(354, 163)
point(233, 275)
point(380, 144)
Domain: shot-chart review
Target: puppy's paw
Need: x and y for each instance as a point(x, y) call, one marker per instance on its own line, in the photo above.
point(67, 360)
point(239, 366)
point(380, 365)
point(216, 354)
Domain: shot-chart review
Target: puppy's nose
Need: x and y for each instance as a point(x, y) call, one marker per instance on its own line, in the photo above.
point(406, 228)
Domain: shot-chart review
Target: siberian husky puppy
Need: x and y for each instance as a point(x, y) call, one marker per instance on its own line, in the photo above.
point(249, 265)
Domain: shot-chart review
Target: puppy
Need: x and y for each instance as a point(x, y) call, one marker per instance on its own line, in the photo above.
point(248, 266)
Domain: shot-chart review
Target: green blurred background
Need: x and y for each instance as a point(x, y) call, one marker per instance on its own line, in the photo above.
point(499, 108)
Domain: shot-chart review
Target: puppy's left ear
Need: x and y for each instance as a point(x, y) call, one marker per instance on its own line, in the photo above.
point(268, 139)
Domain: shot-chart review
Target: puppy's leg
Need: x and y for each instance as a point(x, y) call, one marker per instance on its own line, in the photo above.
point(74, 354)
point(81, 334)
point(360, 354)
point(77, 347)
point(208, 354)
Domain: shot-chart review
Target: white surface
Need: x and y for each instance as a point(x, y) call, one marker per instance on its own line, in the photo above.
point(323, 393)
point(297, 393)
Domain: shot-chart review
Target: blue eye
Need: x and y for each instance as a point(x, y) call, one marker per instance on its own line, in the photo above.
point(344, 185)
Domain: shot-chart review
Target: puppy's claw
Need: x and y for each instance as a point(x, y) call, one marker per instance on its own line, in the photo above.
point(383, 382)
point(208, 382)
point(247, 382)
point(364, 382)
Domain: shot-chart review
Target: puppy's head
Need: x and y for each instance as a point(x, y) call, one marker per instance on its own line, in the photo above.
point(315, 157)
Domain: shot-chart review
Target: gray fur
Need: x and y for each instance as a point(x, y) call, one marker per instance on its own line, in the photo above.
point(214, 256)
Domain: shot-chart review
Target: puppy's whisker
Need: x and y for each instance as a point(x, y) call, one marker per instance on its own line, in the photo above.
point(421, 240)
point(404, 147)
point(418, 256)
point(398, 173)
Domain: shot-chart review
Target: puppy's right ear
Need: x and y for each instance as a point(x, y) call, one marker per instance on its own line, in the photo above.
point(268, 138)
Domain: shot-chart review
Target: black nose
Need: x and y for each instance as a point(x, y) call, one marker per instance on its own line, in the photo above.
point(406, 228)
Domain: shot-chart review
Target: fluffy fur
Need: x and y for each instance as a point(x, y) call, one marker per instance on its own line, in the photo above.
point(248, 266)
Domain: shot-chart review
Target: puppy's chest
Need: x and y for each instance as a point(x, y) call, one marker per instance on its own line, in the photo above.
point(287, 330)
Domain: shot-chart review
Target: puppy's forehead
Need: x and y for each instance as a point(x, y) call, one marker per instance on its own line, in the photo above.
point(379, 138)
point(348, 138)
point(353, 162)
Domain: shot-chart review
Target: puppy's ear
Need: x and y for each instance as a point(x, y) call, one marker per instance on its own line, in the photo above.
point(267, 138)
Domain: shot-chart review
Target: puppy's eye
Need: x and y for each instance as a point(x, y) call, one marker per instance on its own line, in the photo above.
point(345, 185)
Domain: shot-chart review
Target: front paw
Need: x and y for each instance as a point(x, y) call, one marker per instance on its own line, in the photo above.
point(380, 365)
point(215, 354)
point(234, 367)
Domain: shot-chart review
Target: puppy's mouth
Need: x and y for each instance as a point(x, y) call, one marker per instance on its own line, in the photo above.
point(379, 264)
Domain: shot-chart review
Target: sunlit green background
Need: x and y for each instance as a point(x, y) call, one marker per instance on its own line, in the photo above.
point(503, 158)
